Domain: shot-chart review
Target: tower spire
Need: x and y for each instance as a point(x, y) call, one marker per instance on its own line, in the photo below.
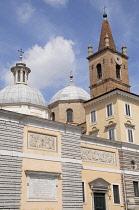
point(106, 30)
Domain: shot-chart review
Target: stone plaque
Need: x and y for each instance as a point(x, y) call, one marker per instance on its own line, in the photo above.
point(42, 141)
point(42, 188)
point(100, 156)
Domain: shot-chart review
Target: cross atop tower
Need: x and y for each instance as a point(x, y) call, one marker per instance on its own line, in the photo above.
point(104, 8)
point(21, 54)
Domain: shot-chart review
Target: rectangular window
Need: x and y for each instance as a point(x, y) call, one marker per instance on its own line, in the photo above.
point(111, 133)
point(109, 110)
point(127, 110)
point(116, 196)
point(93, 116)
point(83, 191)
point(136, 189)
point(130, 135)
point(94, 134)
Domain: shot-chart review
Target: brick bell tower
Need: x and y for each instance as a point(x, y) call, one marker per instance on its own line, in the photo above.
point(108, 68)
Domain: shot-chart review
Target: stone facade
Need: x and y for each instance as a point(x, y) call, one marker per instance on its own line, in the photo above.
point(130, 173)
point(11, 141)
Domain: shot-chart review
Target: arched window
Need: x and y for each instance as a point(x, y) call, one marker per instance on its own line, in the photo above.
point(53, 116)
point(99, 71)
point(18, 75)
point(118, 71)
point(69, 115)
point(23, 76)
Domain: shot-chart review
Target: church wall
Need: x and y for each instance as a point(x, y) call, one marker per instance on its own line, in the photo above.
point(130, 173)
point(132, 121)
point(71, 171)
point(100, 161)
point(11, 139)
point(42, 158)
point(61, 114)
point(102, 120)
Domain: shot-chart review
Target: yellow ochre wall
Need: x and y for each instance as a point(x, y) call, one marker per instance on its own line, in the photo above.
point(43, 166)
point(119, 117)
point(111, 177)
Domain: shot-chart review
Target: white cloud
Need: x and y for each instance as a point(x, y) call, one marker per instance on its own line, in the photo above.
point(56, 3)
point(25, 12)
point(50, 65)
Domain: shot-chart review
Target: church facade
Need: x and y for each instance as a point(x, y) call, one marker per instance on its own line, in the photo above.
point(80, 152)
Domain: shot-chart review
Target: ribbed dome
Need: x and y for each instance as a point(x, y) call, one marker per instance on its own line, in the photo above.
point(20, 93)
point(70, 92)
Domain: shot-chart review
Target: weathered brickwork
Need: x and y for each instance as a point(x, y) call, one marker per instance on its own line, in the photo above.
point(11, 135)
point(109, 80)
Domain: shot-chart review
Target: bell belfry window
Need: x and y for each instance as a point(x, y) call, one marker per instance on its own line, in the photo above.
point(117, 71)
point(99, 71)
point(69, 115)
point(18, 75)
point(23, 76)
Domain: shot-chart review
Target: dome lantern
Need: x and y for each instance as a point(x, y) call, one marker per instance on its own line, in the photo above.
point(20, 71)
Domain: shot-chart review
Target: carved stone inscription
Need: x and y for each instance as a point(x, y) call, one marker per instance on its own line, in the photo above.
point(42, 188)
point(93, 155)
point(42, 141)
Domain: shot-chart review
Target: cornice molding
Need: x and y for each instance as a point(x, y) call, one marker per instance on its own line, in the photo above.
point(114, 93)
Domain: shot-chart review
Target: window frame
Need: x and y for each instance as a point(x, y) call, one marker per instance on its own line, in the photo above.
point(118, 68)
point(92, 123)
point(84, 197)
point(108, 132)
point(126, 114)
point(136, 195)
point(127, 133)
point(112, 110)
point(69, 109)
point(99, 71)
point(18, 76)
point(113, 184)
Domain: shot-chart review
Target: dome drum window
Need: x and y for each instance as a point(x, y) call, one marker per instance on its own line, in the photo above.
point(69, 115)
point(53, 116)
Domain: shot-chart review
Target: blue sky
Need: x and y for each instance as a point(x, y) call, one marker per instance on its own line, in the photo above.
point(55, 34)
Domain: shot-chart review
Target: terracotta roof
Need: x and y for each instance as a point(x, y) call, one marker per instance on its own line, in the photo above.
point(106, 30)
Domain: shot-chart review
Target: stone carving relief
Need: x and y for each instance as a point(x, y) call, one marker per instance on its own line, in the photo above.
point(42, 141)
point(100, 156)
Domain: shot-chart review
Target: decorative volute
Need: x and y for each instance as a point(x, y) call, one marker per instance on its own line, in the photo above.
point(106, 30)
point(20, 71)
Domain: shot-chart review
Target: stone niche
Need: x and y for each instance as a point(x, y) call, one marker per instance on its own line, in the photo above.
point(42, 141)
point(42, 186)
point(99, 156)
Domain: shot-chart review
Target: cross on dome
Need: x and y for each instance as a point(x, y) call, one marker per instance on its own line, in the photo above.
point(21, 54)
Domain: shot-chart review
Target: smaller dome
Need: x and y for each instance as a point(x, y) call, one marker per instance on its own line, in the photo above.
point(20, 93)
point(70, 92)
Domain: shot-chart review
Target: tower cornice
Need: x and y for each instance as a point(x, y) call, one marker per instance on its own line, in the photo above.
point(107, 49)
